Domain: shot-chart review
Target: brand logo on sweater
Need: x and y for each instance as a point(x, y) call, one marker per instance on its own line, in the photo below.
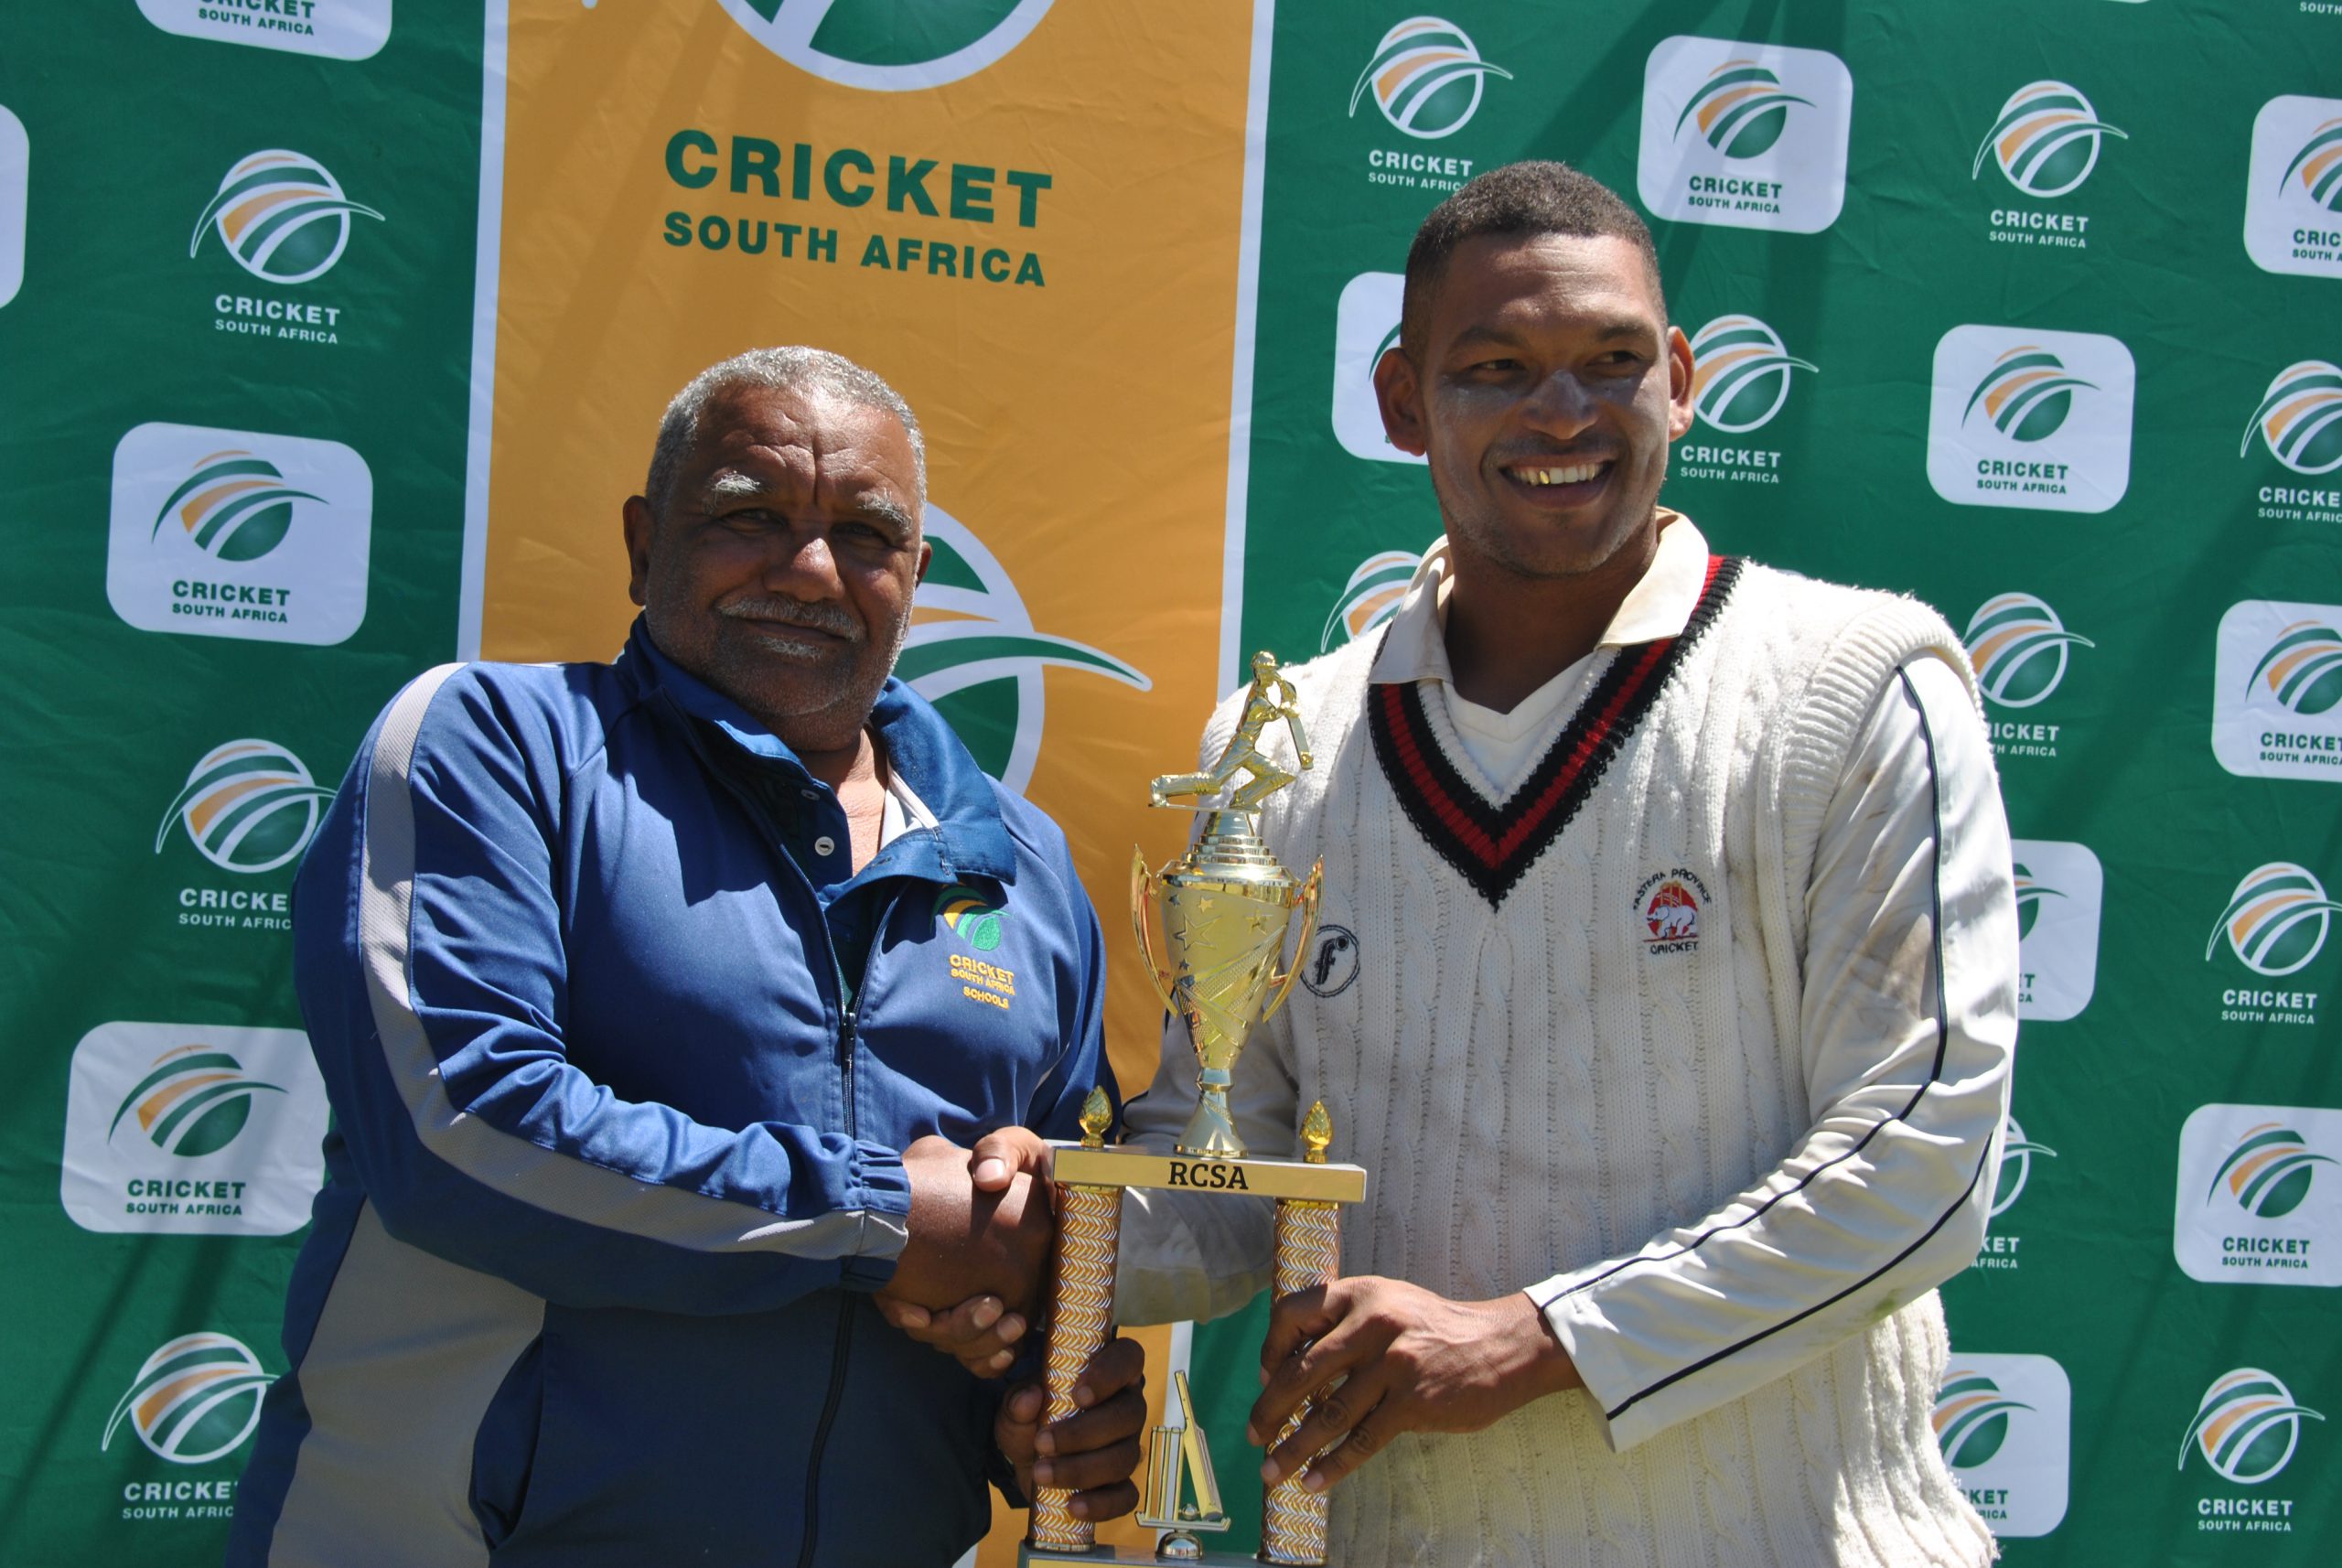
point(187, 1129)
point(195, 1400)
point(2023, 417)
point(970, 917)
point(884, 47)
point(1753, 135)
point(2059, 889)
point(2292, 194)
point(1669, 904)
point(2260, 1200)
point(2003, 1425)
point(2246, 1429)
point(335, 29)
point(2277, 691)
point(975, 654)
point(1366, 328)
point(1333, 962)
point(1426, 76)
point(1371, 597)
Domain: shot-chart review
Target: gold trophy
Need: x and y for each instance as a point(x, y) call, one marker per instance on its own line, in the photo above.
point(1222, 910)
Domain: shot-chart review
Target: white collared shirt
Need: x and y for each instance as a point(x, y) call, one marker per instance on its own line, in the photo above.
point(1504, 747)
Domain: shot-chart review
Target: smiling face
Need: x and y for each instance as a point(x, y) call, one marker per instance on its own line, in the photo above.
point(1547, 390)
point(782, 569)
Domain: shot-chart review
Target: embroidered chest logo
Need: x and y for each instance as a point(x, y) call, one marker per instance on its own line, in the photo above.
point(978, 924)
point(1669, 904)
point(1333, 962)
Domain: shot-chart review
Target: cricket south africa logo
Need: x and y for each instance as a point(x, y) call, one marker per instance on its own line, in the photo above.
point(2317, 166)
point(2300, 418)
point(2045, 139)
point(235, 505)
point(2003, 1423)
point(195, 1400)
point(1370, 598)
point(1971, 1418)
point(2268, 1174)
point(970, 915)
point(2017, 1165)
point(975, 654)
point(282, 215)
point(2018, 646)
point(2277, 691)
point(2060, 888)
point(2292, 195)
point(192, 1130)
point(2246, 1427)
point(1740, 375)
point(1740, 109)
point(335, 29)
point(1753, 135)
point(248, 806)
point(884, 46)
point(2260, 1202)
point(16, 171)
point(2026, 417)
point(194, 1102)
point(2276, 919)
point(1426, 76)
point(2302, 671)
point(1366, 328)
point(2026, 393)
point(239, 534)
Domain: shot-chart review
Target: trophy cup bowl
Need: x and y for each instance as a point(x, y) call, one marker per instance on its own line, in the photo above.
point(1223, 910)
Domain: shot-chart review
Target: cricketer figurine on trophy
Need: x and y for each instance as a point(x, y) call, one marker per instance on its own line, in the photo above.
point(1218, 914)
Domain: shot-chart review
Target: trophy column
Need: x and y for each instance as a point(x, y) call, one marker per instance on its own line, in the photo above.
point(1082, 1303)
point(1309, 1252)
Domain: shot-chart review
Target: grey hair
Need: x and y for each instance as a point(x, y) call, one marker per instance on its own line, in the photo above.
point(792, 369)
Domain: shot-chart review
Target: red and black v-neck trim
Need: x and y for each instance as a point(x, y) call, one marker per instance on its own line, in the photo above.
point(1493, 846)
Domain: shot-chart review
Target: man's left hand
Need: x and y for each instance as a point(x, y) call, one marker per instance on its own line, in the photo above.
point(1091, 1452)
point(1413, 1361)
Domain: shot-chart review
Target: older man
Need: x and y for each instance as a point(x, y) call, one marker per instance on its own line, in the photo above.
point(635, 992)
point(1683, 1002)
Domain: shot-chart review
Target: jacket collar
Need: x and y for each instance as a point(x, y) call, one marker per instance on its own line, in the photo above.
point(970, 836)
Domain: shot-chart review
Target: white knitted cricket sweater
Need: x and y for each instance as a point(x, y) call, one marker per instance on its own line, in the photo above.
point(1580, 1072)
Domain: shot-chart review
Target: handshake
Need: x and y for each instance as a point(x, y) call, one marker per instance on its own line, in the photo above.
point(968, 1283)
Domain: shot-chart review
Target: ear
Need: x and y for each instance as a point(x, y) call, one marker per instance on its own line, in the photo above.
point(1399, 393)
point(926, 554)
point(1678, 384)
point(640, 527)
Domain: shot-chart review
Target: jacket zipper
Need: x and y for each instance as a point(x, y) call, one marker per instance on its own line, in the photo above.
point(821, 1430)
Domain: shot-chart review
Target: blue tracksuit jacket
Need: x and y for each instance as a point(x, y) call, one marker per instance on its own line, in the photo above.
point(622, 1059)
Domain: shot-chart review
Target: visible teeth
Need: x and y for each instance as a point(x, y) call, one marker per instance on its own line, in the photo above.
point(1572, 476)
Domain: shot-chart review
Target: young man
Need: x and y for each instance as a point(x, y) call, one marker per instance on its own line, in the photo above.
point(1685, 1000)
point(630, 985)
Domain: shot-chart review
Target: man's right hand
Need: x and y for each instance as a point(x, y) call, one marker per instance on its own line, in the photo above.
point(983, 1331)
point(968, 1239)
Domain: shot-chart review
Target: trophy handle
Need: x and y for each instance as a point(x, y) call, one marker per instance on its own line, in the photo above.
point(1142, 901)
point(1284, 982)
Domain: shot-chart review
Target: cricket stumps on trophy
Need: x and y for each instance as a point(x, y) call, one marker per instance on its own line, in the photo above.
point(1212, 928)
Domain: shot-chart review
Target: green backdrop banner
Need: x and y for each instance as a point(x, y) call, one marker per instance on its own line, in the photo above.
point(2033, 310)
